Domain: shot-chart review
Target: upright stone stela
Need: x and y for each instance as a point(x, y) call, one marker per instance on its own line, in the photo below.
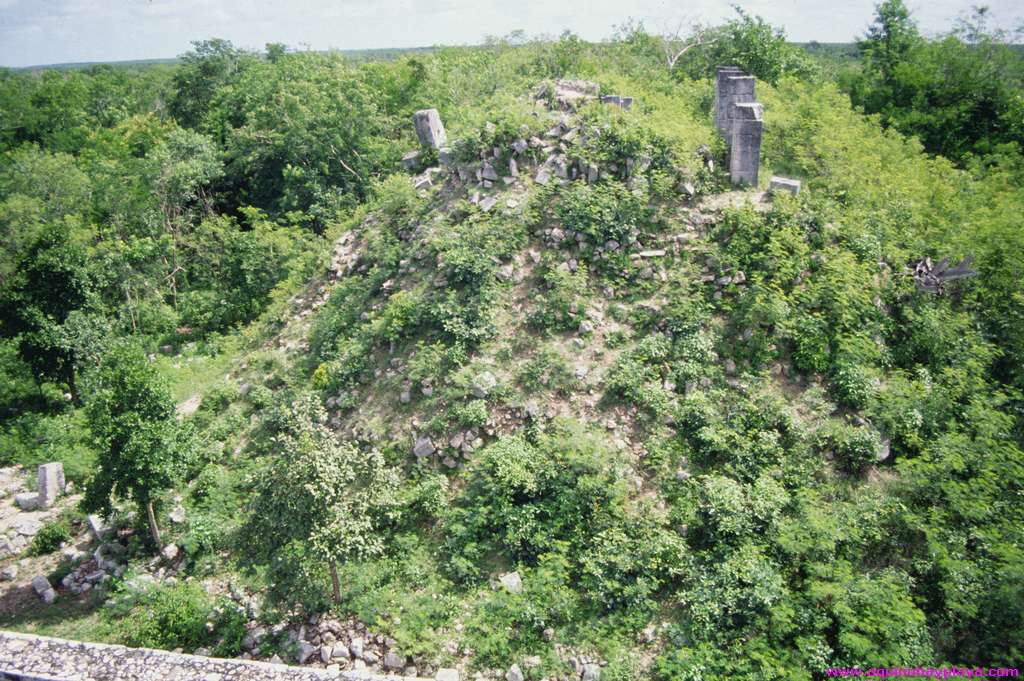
point(429, 128)
point(51, 483)
point(745, 149)
point(740, 120)
point(720, 106)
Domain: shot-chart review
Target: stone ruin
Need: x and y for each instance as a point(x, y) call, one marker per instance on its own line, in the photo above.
point(740, 120)
point(560, 99)
point(51, 484)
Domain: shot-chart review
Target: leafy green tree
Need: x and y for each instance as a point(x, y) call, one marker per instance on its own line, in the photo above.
point(889, 39)
point(52, 280)
point(959, 93)
point(142, 448)
point(303, 134)
point(209, 66)
point(746, 41)
point(185, 163)
point(325, 496)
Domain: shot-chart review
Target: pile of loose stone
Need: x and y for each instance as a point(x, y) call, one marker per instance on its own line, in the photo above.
point(558, 100)
point(335, 645)
point(24, 520)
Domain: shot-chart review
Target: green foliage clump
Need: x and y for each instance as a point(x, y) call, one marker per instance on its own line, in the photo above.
point(854, 447)
point(322, 499)
point(143, 449)
point(527, 502)
point(182, 615)
point(637, 378)
point(470, 414)
point(563, 296)
point(49, 538)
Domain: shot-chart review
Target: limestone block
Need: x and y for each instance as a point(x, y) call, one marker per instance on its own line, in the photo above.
point(721, 107)
point(736, 89)
point(99, 528)
point(27, 501)
point(785, 184)
point(429, 128)
point(745, 151)
point(40, 584)
point(512, 582)
point(410, 160)
point(51, 483)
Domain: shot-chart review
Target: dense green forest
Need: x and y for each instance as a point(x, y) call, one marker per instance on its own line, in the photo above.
point(488, 433)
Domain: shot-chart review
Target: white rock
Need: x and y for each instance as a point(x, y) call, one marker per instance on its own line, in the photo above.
point(28, 527)
point(393, 660)
point(49, 596)
point(483, 383)
point(170, 552)
point(512, 582)
point(99, 528)
point(9, 573)
point(514, 673)
point(177, 515)
point(424, 447)
point(447, 674)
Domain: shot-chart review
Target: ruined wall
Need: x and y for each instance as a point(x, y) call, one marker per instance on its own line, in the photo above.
point(24, 656)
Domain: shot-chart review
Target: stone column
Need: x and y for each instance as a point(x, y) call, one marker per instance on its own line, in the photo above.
point(429, 128)
point(720, 108)
point(51, 483)
point(736, 90)
point(745, 154)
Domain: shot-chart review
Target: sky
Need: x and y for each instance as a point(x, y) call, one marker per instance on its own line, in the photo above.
point(36, 32)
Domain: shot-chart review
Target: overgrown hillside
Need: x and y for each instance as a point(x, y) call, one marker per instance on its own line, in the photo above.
point(566, 405)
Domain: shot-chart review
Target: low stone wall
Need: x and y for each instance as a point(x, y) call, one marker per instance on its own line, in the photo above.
point(41, 658)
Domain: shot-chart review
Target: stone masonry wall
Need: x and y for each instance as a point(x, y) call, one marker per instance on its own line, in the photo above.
point(24, 656)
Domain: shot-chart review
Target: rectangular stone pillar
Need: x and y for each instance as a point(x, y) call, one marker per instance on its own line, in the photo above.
point(745, 152)
point(429, 128)
point(736, 90)
point(51, 483)
point(720, 107)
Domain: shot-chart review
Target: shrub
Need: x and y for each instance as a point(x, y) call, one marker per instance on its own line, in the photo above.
point(563, 297)
point(170, 617)
point(524, 500)
point(855, 447)
point(470, 414)
point(602, 211)
point(547, 370)
point(49, 538)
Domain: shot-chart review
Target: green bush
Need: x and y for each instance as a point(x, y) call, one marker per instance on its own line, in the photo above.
point(854, 447)
point(563, 296)
point(170, 617)
point(547, 370)
point(469, 414)
point(49, 538)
